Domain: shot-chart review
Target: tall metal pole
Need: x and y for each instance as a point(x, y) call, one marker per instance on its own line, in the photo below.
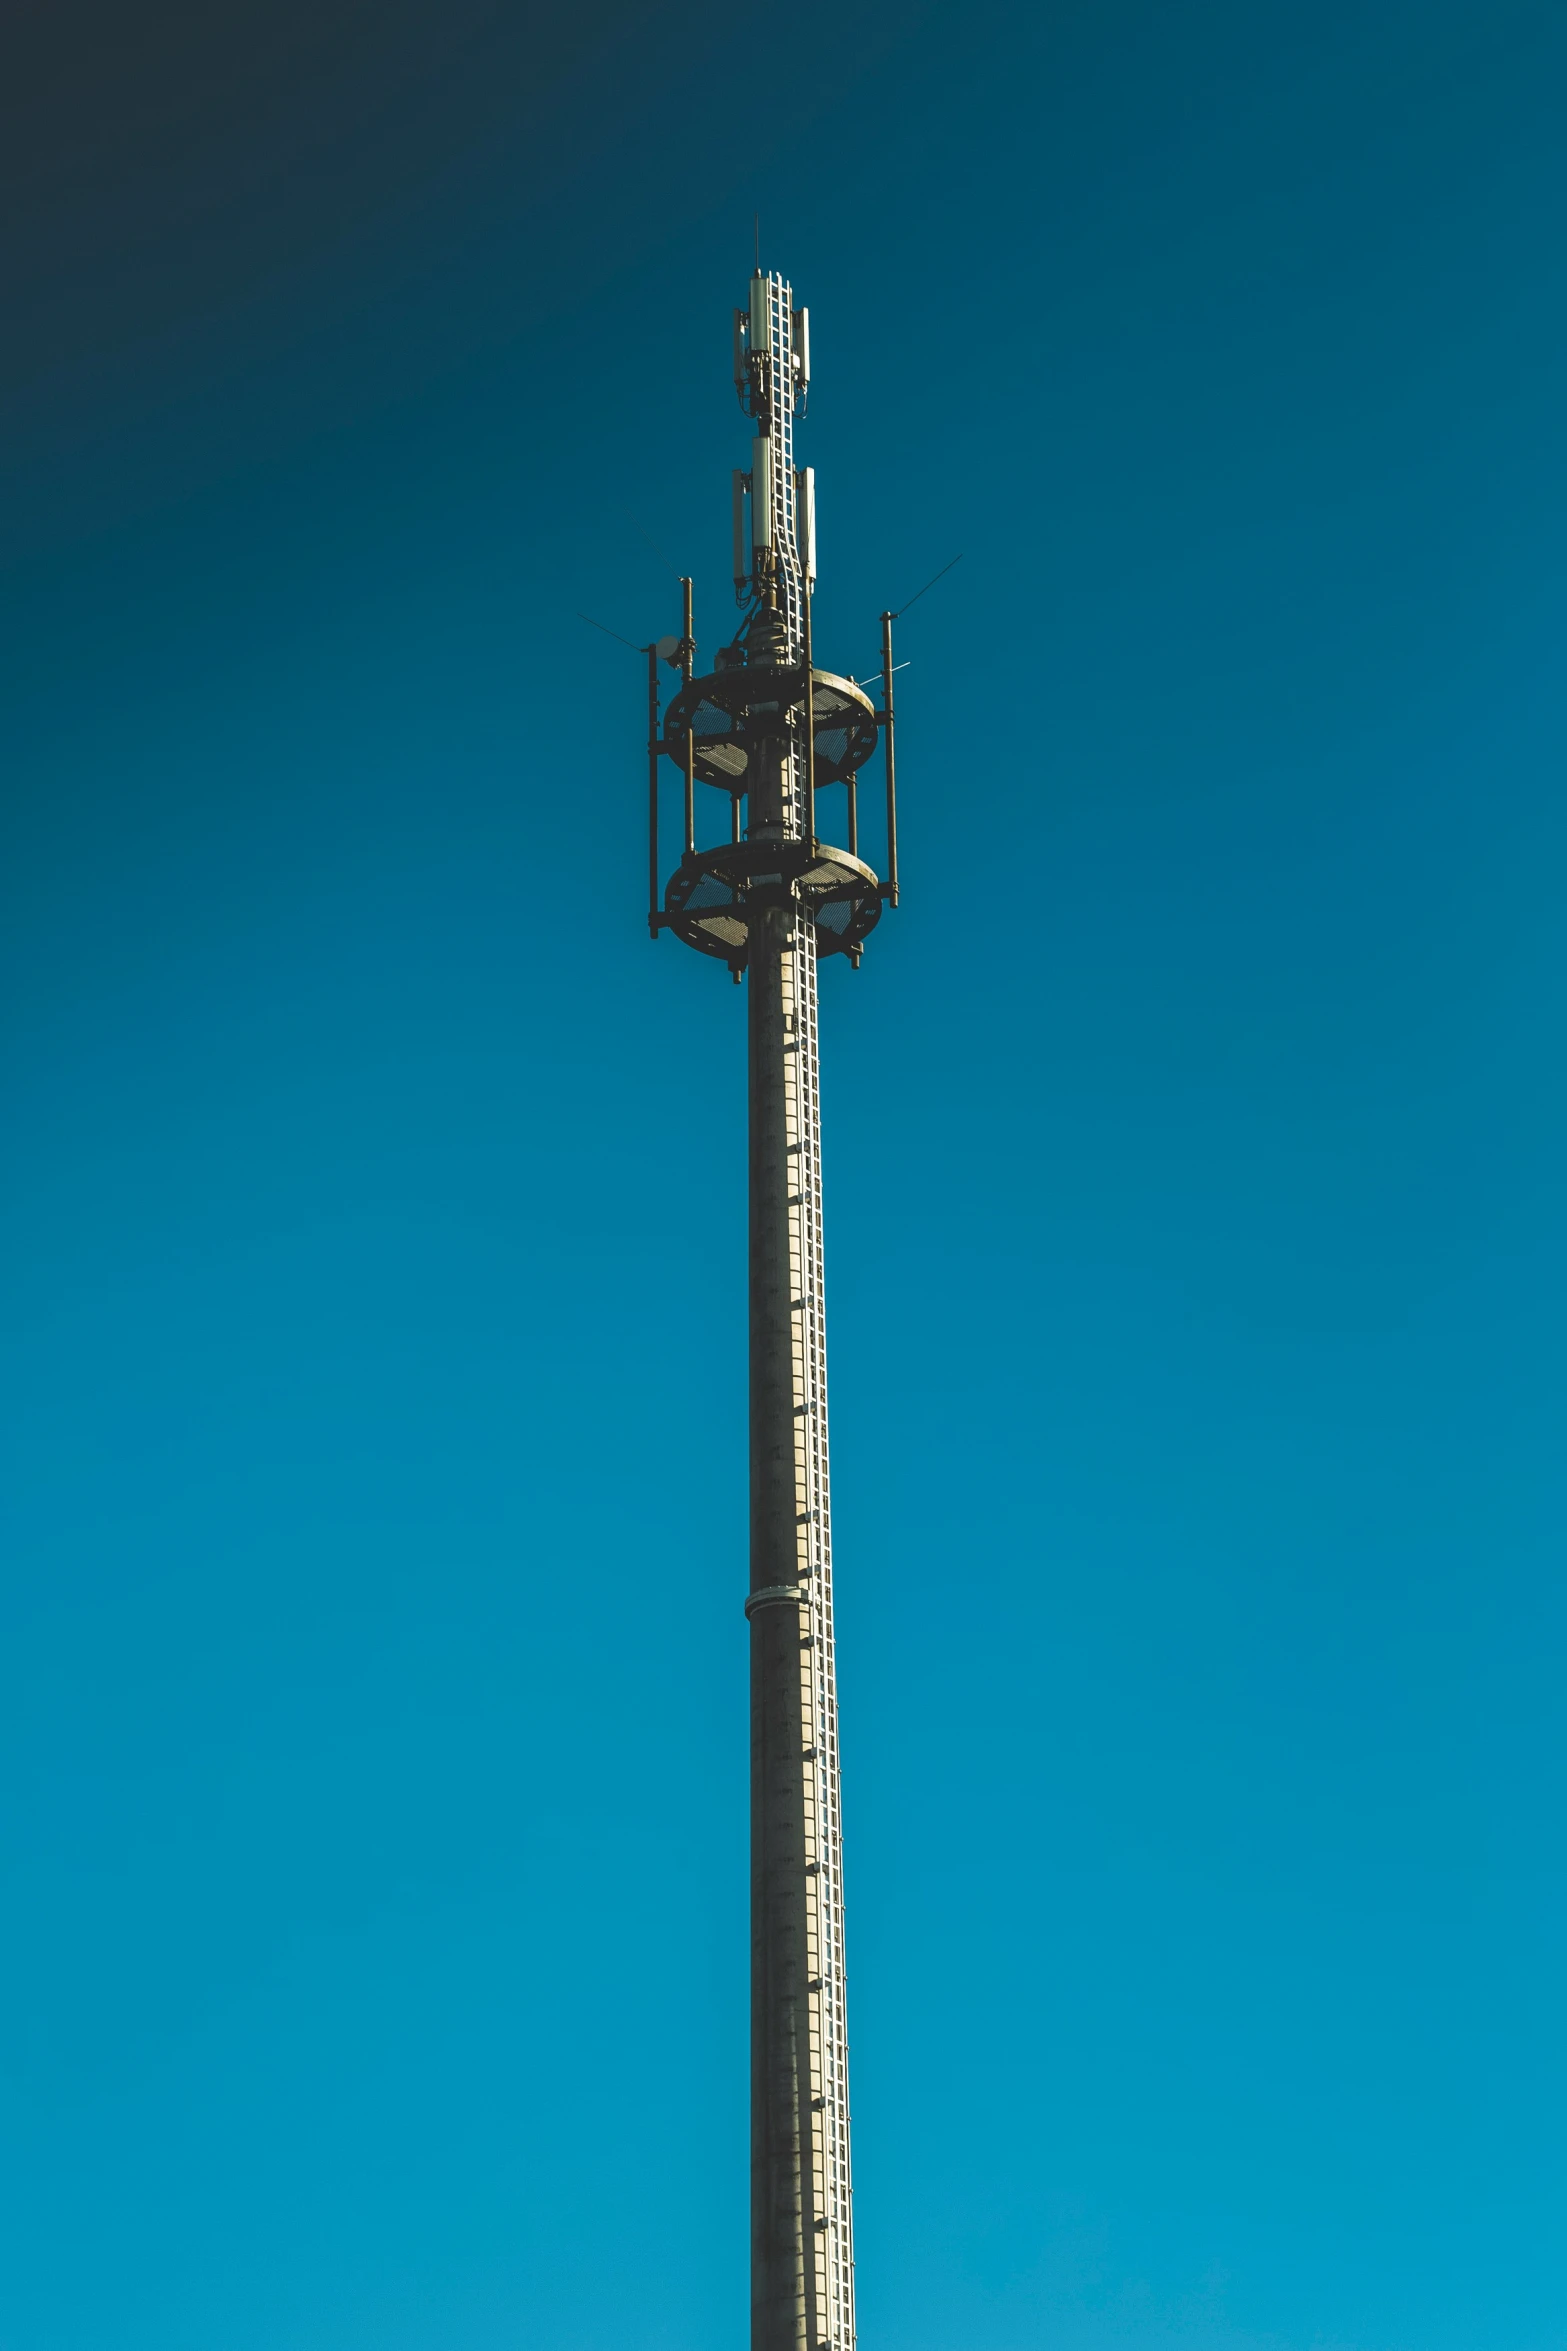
point(802, 2292)
point(769, 902)
point(784, 2124)
point(802, 2250)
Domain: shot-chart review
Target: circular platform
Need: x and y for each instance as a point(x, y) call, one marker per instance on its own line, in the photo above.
point(712, 893)
point(724, 716)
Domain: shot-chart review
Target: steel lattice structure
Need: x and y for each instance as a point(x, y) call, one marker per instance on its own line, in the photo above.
point(768, 730)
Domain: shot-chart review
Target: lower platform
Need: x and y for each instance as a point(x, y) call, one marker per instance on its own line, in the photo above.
point(712, 891)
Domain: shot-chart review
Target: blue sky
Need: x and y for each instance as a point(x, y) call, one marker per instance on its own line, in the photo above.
point(373, 1364)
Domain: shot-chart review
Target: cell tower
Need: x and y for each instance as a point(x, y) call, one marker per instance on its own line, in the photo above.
point(769, 732)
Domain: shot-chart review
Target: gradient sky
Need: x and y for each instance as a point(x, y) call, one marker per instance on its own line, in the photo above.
point(374, 1744)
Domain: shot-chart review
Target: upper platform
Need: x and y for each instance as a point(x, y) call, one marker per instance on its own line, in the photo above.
point(726, 716)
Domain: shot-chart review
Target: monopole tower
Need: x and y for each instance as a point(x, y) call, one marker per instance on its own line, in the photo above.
point(767, 735)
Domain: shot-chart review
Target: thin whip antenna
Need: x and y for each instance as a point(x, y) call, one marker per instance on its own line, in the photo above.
point(649, 541)
point(756, 222)
point(615, 633)
point(925, 591)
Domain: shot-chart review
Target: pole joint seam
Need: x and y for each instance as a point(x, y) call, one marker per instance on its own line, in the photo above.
point(774, 1596)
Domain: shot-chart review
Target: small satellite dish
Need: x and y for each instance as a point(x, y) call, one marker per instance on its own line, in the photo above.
point(667, 648)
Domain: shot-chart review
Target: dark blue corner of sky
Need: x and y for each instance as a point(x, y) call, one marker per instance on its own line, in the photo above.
point(374, 1975)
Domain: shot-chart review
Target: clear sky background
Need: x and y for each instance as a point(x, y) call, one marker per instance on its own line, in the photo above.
point(374, 1736)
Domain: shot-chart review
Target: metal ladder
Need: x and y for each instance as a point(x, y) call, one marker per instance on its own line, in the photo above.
point(830, 2053)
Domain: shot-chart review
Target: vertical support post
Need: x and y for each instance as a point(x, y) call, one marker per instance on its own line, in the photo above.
point(740, 492)
point(690, 788)
point(654, 917)
point(808, 814)
point(687, 659)
point(890, 887)
point(854, 815)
